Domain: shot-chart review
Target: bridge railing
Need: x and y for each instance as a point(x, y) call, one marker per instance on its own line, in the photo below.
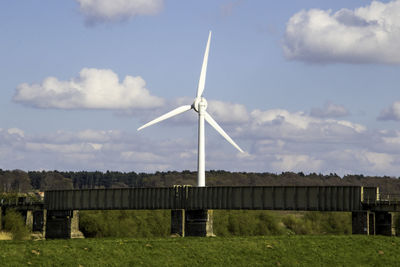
point(21, 201)
point(389, 198)
point(369, 195)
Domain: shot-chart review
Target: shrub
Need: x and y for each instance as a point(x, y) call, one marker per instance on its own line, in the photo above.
point(268, 224)
point(330, 222)
point(147, 223)
point(125, 223)
point(245, 223)
point(14, 223)
point(298, 225)
point(316, 222)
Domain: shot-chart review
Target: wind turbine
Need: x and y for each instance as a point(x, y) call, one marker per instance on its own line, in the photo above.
point(199, 105)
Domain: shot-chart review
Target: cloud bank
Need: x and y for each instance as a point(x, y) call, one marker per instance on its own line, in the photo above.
point(368, 34)
point(275, 140)
point(96, 11)
point(92, 89)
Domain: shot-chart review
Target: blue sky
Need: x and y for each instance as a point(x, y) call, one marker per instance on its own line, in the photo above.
point(300, 85)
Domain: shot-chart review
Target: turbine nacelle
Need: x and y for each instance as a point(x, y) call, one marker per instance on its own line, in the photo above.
point(199, 101)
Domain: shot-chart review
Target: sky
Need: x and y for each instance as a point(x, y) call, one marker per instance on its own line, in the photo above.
point(302, 86)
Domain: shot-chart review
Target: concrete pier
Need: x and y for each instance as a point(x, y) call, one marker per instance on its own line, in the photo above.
point(362, 222)
point(192, 222)
point(75, 232)
point(62, 224)
point(39, 220)
point(29, 219)
point(384, 223)
point(373, 223)
point(58, 224)
point(199, 223)
point(178, 222)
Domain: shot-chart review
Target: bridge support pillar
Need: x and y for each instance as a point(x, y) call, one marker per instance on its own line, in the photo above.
point(58, 224)
point(192, 222)
point(363, 223)
point(62, 224)
point(29, 219)
point(178, 222)
point(75, 233)
point(384, 223)
point(199, 223)
point(39, 221)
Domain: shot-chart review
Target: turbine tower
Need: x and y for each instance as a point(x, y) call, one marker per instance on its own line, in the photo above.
point(199, 105)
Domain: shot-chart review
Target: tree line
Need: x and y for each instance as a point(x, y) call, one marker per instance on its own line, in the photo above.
point(21, 181)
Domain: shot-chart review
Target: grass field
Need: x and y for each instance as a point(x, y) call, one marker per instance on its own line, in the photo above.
point(239, 251)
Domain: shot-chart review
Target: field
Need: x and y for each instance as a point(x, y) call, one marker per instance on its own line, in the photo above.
point(286, 250)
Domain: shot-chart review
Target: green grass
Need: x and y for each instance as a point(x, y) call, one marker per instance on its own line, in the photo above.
point(292, 250)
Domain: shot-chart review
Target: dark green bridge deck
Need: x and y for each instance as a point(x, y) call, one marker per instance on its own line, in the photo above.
point(307, 198)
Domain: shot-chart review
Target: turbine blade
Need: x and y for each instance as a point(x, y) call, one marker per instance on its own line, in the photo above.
point(214, 124)
point(167, 115)
point(202, 79)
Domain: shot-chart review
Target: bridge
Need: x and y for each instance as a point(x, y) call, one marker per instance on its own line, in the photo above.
point(191, 207)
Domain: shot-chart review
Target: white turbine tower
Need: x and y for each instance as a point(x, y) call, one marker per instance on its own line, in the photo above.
point(199, 105)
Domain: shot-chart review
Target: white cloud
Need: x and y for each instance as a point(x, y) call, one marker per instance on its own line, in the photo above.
point(78, 148)
point(117, 10)
point(278, 116)
point(379, 161)
point(134, 156)
point(391, 113)
point(296, 163)
point(225, 112)
point(354, 126)
point(329, 110)
point(282, 124)
point(92, 89)
point(360, 160)
point(393, 140)
point(96, 136)
point(369, 34)
point(16, 131)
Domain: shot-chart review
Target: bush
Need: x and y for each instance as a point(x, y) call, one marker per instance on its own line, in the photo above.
point(14, 223)
point(315, 222)
point(245, 223)
point(298, 225)
point(125, 223)
point(147, 223)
